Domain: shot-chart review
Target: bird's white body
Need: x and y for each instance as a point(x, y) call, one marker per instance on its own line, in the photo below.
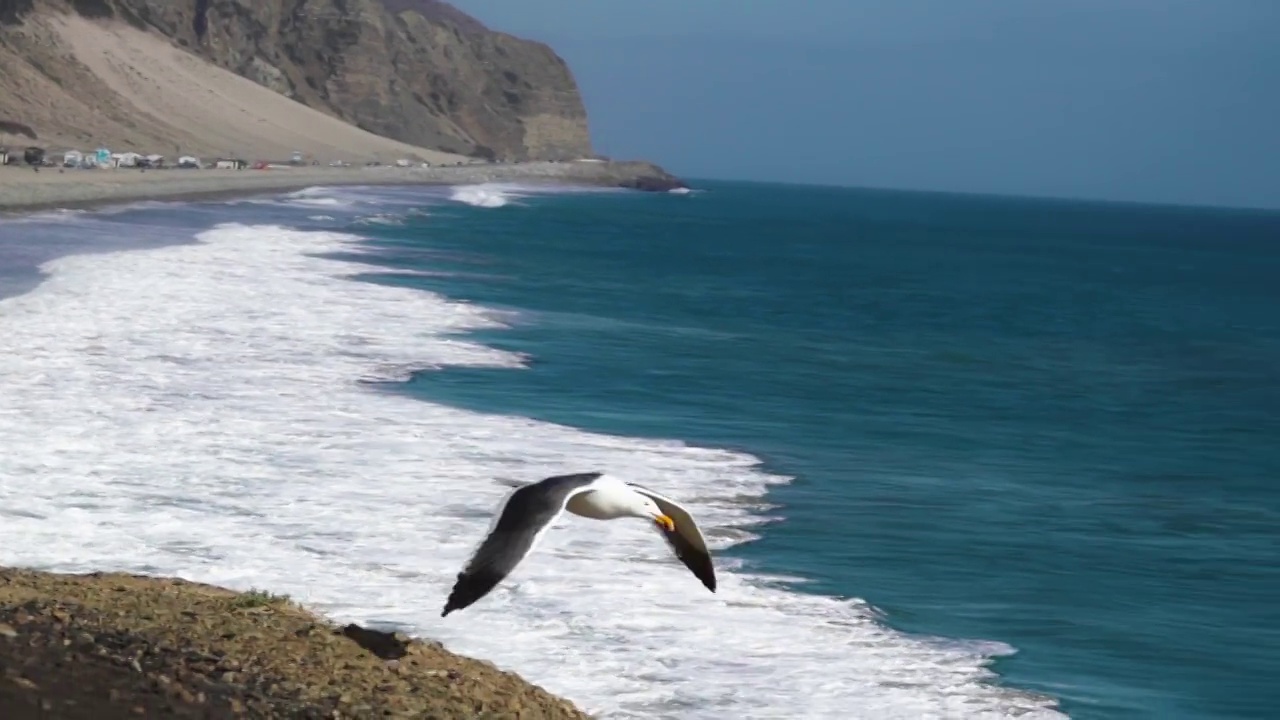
point(610, 499)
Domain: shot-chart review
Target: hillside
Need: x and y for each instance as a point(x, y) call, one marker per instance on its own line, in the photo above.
point(112, 646)
point(263, 78)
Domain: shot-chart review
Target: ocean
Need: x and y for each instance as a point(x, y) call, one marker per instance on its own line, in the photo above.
point(958, 456)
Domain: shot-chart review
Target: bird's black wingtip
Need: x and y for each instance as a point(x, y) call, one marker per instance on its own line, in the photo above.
point(708, 579)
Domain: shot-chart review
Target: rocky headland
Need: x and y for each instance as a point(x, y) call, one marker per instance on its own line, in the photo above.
point(342, 82)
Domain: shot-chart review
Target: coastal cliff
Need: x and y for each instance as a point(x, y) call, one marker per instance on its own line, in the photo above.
point(108, 646)
point(419, 72)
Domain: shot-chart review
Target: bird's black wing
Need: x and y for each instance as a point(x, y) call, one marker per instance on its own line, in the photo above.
point(524, 515)
point(686, 539)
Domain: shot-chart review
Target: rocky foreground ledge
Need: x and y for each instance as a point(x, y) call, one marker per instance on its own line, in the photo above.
point(108, 646)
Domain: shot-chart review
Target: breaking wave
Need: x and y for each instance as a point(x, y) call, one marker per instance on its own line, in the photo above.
point(202, 412)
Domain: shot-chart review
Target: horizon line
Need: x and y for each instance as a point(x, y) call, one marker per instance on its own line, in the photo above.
point(1168, 204)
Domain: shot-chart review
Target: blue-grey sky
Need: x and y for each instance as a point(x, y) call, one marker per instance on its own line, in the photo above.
point(1153, 100)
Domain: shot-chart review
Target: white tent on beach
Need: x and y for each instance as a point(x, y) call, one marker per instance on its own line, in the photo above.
point(125, 159)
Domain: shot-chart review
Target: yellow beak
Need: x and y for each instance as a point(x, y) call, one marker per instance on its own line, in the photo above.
point(667, 523)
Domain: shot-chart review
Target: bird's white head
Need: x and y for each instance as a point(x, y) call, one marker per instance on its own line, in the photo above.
point(649, 509)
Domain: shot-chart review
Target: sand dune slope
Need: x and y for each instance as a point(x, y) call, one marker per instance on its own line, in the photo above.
point(81, 83)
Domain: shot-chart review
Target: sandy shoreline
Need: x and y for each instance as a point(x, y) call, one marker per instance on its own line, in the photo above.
point(24, 190)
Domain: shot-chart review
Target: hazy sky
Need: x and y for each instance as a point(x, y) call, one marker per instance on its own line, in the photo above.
point(1164, 100)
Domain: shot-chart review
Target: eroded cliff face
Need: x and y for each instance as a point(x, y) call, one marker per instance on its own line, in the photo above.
point(418, 71)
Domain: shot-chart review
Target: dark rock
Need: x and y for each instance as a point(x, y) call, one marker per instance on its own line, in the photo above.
point(388, 646)
point(653, 183)
point(17, 128)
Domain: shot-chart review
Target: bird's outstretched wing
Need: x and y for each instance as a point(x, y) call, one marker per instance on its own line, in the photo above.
point(524, 515)
point(686, 539)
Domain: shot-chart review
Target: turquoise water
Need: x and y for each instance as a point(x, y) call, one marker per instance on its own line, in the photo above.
point(1051, 424)
point(1048, 425)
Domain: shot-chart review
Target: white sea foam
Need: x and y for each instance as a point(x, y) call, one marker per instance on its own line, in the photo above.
point(313, 191)
point(389, 219)
point(48, 216)
point(486, 196)
point(317, 202)
point(495, 195)
point(326, 197)
point(196, 410)
point(318, 197)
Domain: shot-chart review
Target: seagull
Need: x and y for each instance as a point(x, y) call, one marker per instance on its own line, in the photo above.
point(530, 509)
